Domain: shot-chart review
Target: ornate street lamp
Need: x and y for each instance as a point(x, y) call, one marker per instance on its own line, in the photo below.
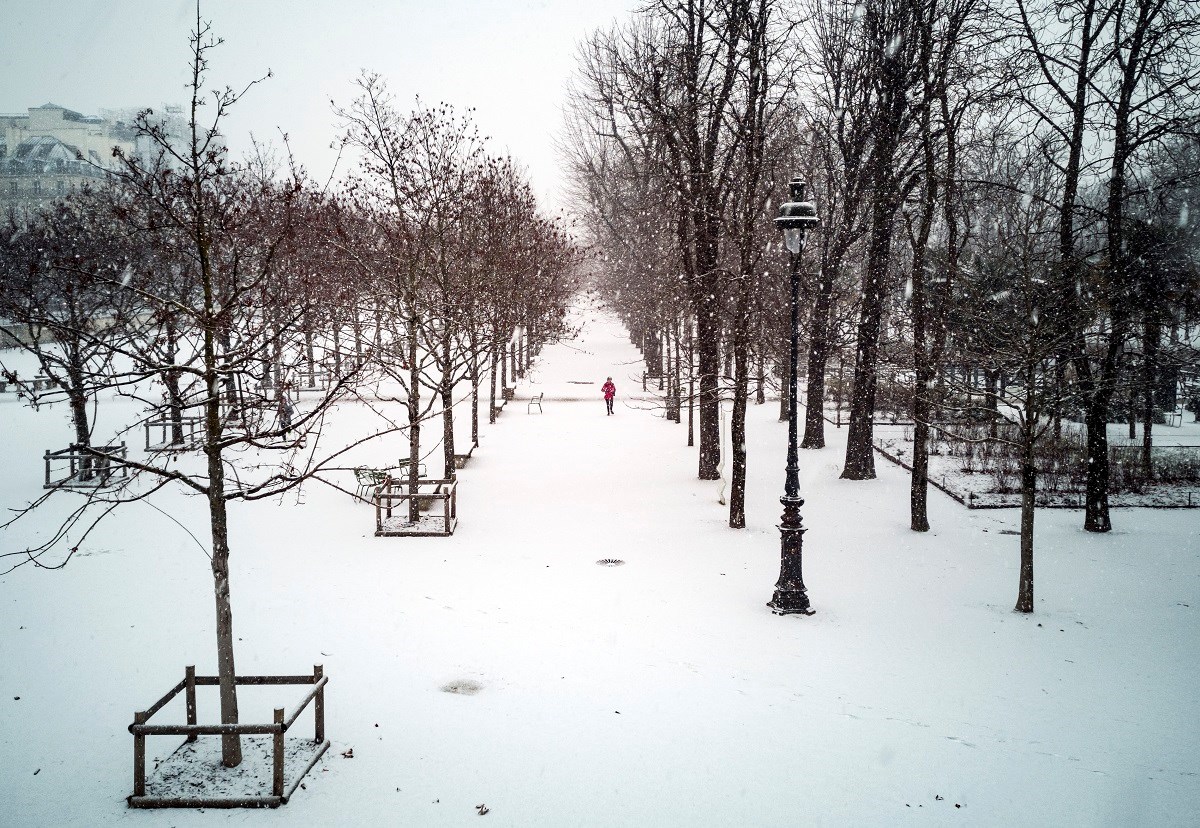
point(790, 598)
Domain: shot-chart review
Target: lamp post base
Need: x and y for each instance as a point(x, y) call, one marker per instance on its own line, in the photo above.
point(791, 598)
point(790, 603)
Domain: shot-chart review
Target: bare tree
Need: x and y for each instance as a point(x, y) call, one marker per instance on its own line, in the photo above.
point(208, 244)
point(1013, 306)
point(672, 77)
point(65, 311)
point(890, 38)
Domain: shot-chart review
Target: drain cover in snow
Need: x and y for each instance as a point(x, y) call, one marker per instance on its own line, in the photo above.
point(463, 687)
point(610, 562)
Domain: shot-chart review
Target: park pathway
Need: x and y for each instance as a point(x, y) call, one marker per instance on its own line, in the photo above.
point(572, 465)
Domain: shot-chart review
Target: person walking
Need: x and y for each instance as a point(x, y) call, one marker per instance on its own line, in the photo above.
point(285, 409)
point(610, 392)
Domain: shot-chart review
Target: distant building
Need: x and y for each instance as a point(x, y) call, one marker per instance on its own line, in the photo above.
point(51, 150)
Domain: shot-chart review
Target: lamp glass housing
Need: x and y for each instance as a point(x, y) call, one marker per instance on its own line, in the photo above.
point(793, 238)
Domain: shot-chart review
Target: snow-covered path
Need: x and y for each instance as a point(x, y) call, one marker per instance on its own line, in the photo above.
point(658, 693)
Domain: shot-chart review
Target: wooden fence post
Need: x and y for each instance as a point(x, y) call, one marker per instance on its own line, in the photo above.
point(277, 771)
point(139, 756)
point(189, 677)
point(319, 705)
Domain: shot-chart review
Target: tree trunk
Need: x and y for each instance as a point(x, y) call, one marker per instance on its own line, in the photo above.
point(79, 419)
point(1028, 492)
point(1132, 413)
point(1096, 517)
point(653, 353)
point(309, 354)
point(992, 398)
point(737, 433)
point(414, 422)
point(503, 367)
point(474, 399)
point(760, 393)
point(691, 350)
point(708, 331)
point(231, 746)
point(492, 391)
point(1060, 392)
point(229, 384)
point(337, 349)
point(447, 394)
point(1152, 336)
point(860, 454)
point(818, 358)
point(677, 375)
point(171, 380)
point(356, 323)
point(919, 491)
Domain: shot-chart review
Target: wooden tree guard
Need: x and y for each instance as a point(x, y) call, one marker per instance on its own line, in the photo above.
point(193, 428)
point(277, 728)
point(435, 521)
point(78, 468)
point(460, 460)
point(317, 380)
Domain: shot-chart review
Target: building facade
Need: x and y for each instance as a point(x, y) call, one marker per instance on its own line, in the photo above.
point(50, 150)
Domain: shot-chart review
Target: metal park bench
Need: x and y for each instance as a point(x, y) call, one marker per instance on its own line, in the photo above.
point(535, 401)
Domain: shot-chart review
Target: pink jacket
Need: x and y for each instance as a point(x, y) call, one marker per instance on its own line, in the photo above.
point(609, 390)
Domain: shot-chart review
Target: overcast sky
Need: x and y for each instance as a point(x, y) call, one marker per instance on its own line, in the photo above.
point(509, 59)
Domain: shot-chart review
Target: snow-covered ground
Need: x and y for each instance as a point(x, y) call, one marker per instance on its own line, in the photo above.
point(504, 667)
point(979, 488)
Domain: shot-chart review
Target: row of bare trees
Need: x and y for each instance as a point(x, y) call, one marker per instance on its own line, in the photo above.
point(1003, 187)
point(209, 292)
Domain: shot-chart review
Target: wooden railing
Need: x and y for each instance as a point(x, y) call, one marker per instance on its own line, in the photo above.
point(396, 496)
point(191, 427)
point(84, 467)
point(192, 730)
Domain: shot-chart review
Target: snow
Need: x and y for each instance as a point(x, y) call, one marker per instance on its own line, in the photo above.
point(502, 666)
point(189, 771)
point(423, 525)
point(979, 489)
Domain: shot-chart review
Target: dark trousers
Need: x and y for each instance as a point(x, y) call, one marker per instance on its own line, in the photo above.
point(608, 401)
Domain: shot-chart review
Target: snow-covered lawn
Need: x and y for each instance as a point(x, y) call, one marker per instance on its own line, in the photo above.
point(502, 666)
point(980, 488)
